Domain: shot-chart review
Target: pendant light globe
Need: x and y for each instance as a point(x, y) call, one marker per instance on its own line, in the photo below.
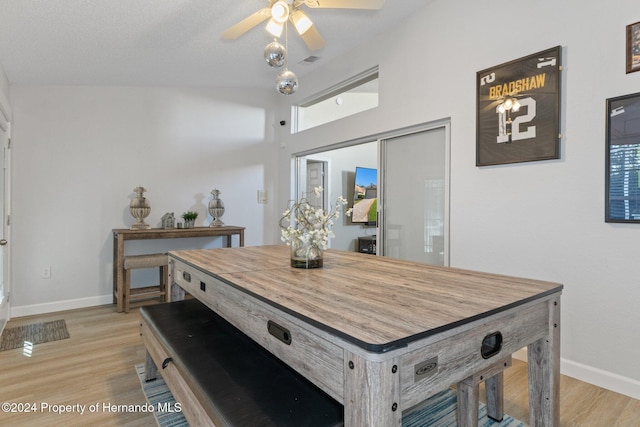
point(275, 54)
point(287, 82)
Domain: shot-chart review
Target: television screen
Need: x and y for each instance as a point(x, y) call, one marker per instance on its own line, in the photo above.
point(365, 196)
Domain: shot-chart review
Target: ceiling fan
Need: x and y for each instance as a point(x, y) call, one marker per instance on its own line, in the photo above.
point(280, 11)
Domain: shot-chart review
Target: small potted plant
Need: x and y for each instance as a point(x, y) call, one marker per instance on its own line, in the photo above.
point(189, 219)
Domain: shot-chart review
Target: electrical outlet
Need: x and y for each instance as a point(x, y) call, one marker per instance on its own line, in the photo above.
point(46, 273)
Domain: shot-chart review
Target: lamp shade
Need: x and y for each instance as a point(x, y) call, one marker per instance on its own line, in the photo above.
point(301, 21)
point(274, 28)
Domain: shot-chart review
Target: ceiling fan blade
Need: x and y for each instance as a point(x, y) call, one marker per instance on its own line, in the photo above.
point(246, 24)
point(345, 4)
point(312, 38)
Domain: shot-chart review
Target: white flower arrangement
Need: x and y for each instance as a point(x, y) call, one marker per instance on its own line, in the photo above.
point(308, 227)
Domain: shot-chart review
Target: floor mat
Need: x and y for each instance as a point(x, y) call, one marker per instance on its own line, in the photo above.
point(29, 335)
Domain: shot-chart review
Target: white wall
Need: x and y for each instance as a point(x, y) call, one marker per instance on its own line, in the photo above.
point(80, 151)
point(541, 220)
point(5, 103)
point(330, 109)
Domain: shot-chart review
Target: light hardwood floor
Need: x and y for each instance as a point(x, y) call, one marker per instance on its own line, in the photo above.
point(96, 366)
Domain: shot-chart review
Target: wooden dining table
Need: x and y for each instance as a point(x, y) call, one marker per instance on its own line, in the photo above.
point(381, 335)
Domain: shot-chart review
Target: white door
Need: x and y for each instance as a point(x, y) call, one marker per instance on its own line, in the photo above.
point(415, 197)
point(316, 178)
point(4, 217)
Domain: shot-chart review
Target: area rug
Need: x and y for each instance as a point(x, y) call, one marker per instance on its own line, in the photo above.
point(159, 396)
point(36, 333)
point(438, 411)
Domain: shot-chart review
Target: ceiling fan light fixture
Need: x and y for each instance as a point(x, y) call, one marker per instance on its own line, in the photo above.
point(280, 12)
point(274, 28)
point(301, 21)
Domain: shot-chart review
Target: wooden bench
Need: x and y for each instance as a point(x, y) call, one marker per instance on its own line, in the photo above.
point(222, 377)
point(128, 295)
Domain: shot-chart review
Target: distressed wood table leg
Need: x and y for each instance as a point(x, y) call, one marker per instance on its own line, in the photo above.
point(118, 268)
point(494, 387)
point(150, 369)
point(467, 413)
point(371, 393)
point(544, 373)
point(115, 268)
point(168, 296)
point(176, 292)
point(468, 393)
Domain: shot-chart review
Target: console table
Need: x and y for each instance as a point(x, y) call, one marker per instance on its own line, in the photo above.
point(381, 335)
point(120, 235)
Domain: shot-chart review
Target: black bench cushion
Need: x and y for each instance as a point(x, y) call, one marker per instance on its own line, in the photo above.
point(233, 375)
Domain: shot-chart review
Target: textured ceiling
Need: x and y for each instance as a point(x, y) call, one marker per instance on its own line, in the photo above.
point(166, 42)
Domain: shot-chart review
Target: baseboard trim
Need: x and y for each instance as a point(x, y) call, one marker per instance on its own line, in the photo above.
point(605, 379)
point(598, 377)
point(51, 307)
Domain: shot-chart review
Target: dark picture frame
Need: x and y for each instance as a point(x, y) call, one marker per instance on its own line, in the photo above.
point(531, 132)
point(633, 47)
point(622, 168)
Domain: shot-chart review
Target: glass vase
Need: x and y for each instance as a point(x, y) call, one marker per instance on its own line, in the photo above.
point(305, 255)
